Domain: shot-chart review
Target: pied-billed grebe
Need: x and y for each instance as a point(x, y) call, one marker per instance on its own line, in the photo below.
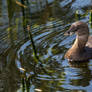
point(82, 47)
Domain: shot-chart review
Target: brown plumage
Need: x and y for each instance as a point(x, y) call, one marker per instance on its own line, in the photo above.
point(81, 50)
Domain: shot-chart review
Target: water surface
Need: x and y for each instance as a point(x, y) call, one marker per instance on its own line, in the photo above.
point(53, 73)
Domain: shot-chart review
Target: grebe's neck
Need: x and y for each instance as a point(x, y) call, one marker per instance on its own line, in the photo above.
point(80, 43)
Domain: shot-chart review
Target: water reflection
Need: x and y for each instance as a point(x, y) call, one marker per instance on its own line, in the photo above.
point(78, 77)
point(84, 74)
point(0, 8)
point(9, 73)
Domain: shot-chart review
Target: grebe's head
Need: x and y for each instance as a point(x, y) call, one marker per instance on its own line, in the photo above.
point(79, 28)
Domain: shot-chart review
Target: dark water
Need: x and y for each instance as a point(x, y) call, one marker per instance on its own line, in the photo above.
point(48, 26)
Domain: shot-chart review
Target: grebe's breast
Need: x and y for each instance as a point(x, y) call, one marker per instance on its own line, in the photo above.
point(75, 55)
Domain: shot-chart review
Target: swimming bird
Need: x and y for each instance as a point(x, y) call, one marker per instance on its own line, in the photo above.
point(81, 50)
